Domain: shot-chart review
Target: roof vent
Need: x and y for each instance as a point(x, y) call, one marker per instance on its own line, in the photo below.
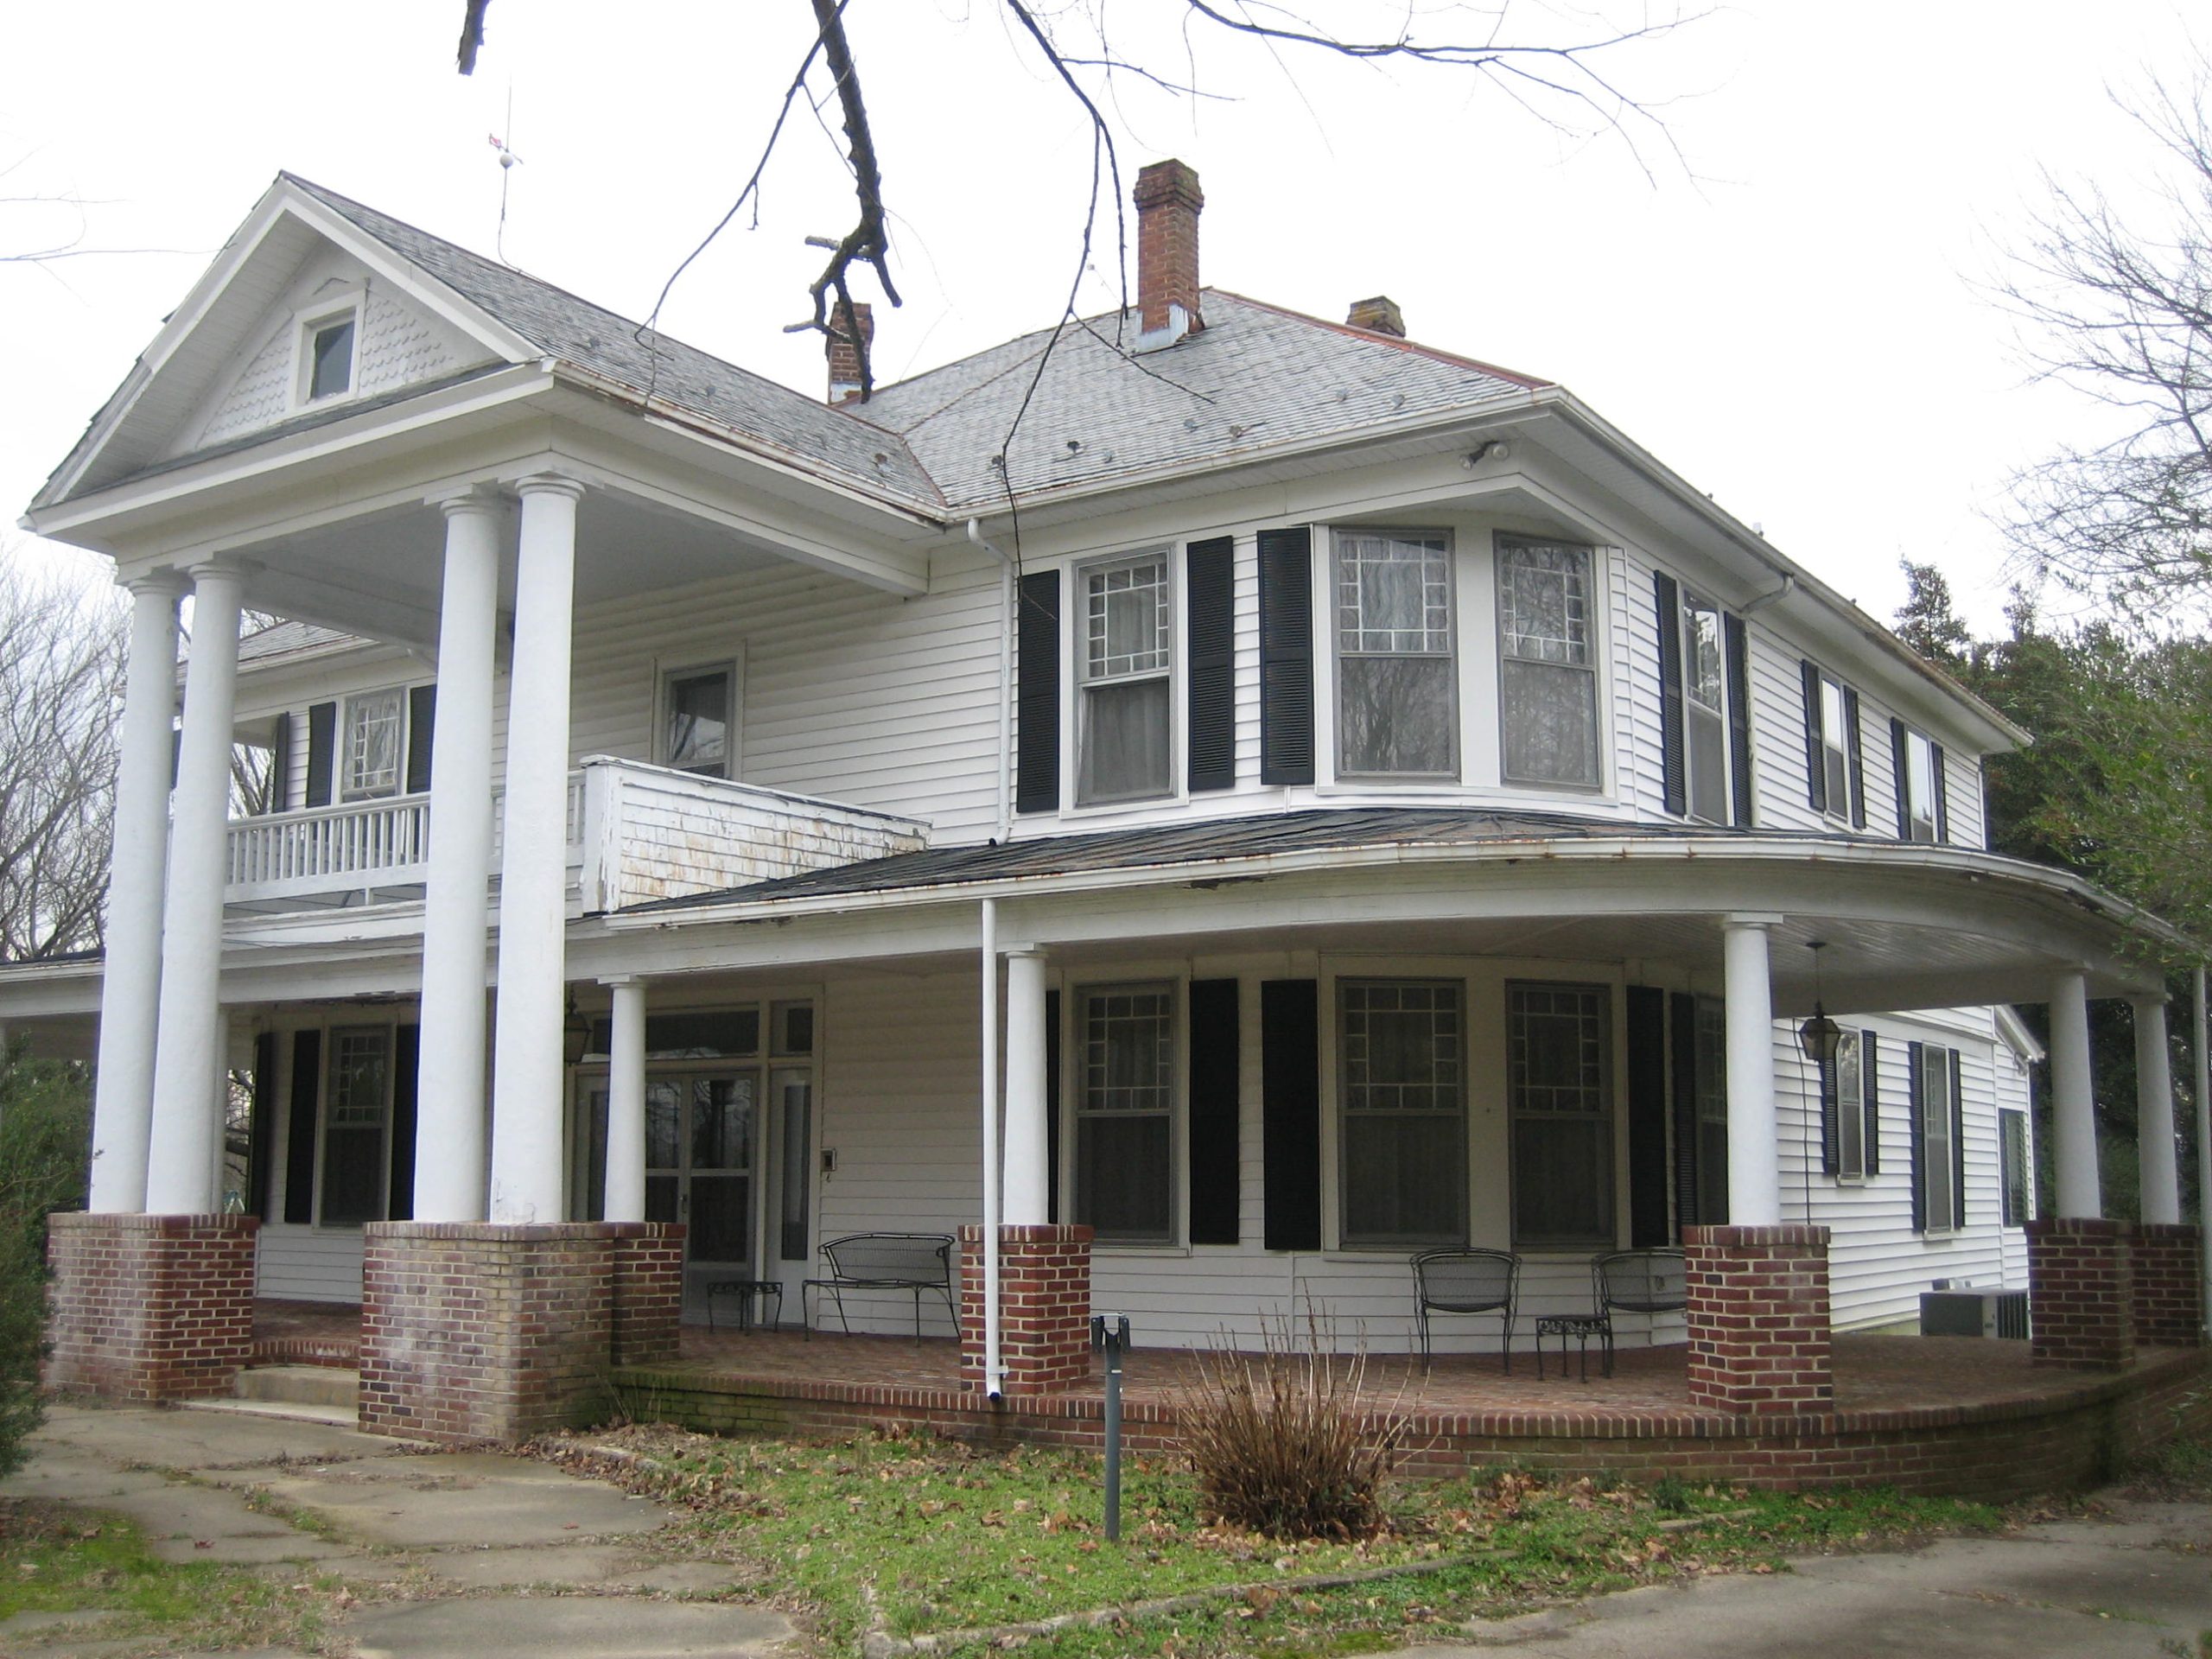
point(1379, 315)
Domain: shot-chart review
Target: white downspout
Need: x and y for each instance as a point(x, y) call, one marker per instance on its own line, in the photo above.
point(994, 1372)
point(1006, 679)
point(2204, 1140)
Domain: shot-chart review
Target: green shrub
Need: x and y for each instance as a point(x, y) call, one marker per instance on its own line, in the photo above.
point(1282, 1443)
point(45, 1118)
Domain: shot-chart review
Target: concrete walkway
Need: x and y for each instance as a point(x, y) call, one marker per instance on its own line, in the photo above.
point(444, 1553)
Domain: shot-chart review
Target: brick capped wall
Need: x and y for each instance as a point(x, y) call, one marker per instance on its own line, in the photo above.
point(473, 1330)
point(2165, 1269)
point(150, 1307)
point(1044, 1308)
point(648, 1265)
point(1758, 1319)
point(2080, 1294)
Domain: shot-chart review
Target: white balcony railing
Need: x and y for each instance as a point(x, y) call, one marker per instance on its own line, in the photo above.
point(634, 832)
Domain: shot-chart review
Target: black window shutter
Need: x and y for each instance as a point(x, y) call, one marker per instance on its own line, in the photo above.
point(1816, 769)
point(1210, 697)
point(1647, 1117)
point(1290, 1085)
point(1943, 794)
point(1958, 1142)
point(261, 1137)
point(1037, 694)
point(299, 1121)
point(1857, 750)
point(1682, 1022)
point(1674, 769)
point(1831, 1130)
point(322, 752)
point(1214, 1149)
point(406, 1058)
point(1917, 1122)
point(1053, 1107)
point(1901, 756)
point(1287, 655)
point(1743, 801)
point(421, 730)
point(1869, 1087)
point(280, 764)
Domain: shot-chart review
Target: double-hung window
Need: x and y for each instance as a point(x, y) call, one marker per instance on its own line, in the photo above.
point(1705, 711)
point(1917, 788)
point(698, 720)
point(1548, 674)
point(1403, 1047)
point(1845, 1087)
point(1125, 737)
point(1125, 1113)
point(2012, 1166)
point(1397, 702)
point(1936, 1119)
point(1558, 1088)
point(374, 754)
point(1832, 746)
point(356, 1118)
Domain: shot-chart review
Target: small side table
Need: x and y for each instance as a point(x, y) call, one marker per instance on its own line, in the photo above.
point(748, 1292)
point(1582, 1327)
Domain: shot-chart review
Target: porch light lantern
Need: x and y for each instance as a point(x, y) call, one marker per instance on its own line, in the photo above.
point(575, 1032)
point(1819, 1036)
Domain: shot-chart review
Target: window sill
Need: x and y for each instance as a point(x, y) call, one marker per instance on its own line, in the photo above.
point(1137, 1252)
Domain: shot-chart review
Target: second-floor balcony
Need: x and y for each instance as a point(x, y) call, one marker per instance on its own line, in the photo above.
point(634, 831)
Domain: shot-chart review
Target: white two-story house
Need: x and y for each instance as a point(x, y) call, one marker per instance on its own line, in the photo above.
point(1391, 808)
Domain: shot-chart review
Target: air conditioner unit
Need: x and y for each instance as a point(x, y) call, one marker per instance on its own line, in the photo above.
point(1975, 1313)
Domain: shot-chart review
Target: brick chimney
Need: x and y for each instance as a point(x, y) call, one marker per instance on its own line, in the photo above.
point(1168, 204)
point(844, 357)
point(1379, 315)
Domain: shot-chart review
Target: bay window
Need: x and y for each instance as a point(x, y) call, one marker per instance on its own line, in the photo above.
point(1123, 721)
point(1402, 1046)
point(1397, 703)
point(1125, 1113)
point(1548, 675)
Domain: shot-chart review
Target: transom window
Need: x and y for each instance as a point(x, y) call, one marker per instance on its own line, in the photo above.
point(697, 721)
point(1124, 1113)
point(1403, 1046)
point(330, 358)
point(1558, 1088)
point(1705, 694)
point(1127, 644)
point(1396, 699)
point(375, 745)
point(1547, 671)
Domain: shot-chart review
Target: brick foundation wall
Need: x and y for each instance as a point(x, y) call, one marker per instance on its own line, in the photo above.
point(471, 1330)
point(150, 1307)
point(2165, 1273)
point(1758, 1319)
point(1044, 1308)
point(648, 1268)
point(2080, 1294)
point(2072, 1440)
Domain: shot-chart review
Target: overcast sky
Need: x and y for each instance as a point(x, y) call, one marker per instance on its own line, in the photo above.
point(1783, 294)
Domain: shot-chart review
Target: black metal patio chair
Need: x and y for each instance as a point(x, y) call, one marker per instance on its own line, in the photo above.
point(1466, 1281)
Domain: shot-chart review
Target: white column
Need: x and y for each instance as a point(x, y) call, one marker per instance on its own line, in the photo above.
point(2073, 1112)
point(2203, 1043)
point(526, 1067)
point(1754, 1146)
point(1029, 1172)
point(449, 1080)
point(131, 982)
point(2154, 1112)
point(626, 1104)
point(189, 1049)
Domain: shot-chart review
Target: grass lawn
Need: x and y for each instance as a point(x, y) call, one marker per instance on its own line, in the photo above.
point(907, 1537)
point(57, 1559)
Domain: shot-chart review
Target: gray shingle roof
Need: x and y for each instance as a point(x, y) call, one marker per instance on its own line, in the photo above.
point(1321, 828)
point(597, 341)
point(1256, 377)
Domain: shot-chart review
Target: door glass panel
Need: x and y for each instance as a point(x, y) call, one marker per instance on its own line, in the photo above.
point(588, 1175)
point(719, 1207)
point(660, 1199)
point(722, 1123)
point(664, 1126)
point(794, 1092)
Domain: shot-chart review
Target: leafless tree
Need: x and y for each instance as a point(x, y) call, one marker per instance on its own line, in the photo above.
point(61, 653)
point(2117, 304)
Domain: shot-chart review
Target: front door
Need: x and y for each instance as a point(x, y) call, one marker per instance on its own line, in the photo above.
point(701, 1130)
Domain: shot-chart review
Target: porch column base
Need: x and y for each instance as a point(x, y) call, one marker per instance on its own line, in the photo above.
point(1758, 1319)
point(480, 1331)
point(1044, 1308)
point(150, 1307)
point(2080, 1294)
point(2165, 1270)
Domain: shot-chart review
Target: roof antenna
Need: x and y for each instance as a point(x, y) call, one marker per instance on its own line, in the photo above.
point(508, 162)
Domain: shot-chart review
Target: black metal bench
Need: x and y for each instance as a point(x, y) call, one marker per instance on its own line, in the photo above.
point(908, 1261)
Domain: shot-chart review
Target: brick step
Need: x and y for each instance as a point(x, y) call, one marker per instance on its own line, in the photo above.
point(300, 1385)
